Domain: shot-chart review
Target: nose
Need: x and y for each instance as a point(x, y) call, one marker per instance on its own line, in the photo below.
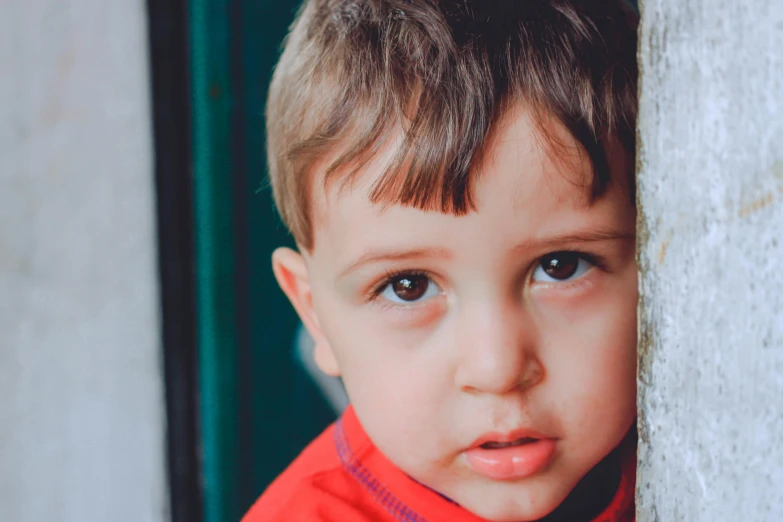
point(498, 351)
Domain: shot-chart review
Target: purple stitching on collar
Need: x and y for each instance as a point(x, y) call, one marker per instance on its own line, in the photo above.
point(364, 476)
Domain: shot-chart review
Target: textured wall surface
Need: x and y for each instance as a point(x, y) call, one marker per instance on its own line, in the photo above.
point(81, 394)
point(711, 257)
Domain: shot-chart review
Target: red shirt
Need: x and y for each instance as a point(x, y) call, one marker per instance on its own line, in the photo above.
point(342, 477)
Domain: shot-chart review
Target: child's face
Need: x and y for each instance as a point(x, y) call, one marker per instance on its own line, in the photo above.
point(454, 331)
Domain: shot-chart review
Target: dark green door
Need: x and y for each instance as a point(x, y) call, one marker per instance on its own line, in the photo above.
point(258, 407)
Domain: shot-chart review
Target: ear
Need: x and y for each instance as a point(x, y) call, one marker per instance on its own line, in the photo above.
point(292, 276)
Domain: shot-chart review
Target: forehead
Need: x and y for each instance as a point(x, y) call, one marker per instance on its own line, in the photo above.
point(524, 173)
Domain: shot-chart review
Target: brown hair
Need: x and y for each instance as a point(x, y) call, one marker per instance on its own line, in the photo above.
point(354, 71)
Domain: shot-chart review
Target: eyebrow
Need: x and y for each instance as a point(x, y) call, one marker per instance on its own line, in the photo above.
point(585, 236)
point(376, 256)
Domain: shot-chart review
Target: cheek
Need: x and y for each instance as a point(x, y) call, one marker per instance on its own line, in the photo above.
point(380, 352)
point(598, 320)
point(393, 392)
point(389, 369)
point(593, 358)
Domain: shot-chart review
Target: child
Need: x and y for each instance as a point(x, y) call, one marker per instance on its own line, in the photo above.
point(458, 176)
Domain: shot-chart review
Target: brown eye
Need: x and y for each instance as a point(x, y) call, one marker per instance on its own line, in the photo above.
point(561, 265)
point(410, 287)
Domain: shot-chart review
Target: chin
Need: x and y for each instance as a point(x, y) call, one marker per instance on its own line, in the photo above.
point(513, 509)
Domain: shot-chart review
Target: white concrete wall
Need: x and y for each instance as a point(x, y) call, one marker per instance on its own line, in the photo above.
point(711, 256)
point(81, 393)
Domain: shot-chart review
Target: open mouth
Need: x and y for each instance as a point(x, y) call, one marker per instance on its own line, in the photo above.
point(500, 445)
point(510, 457)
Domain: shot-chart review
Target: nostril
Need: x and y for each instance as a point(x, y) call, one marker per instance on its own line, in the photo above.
point(532, 376)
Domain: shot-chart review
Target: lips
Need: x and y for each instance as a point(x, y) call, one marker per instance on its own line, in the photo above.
point(501, 445)
point(515, 437)
point(510, 456)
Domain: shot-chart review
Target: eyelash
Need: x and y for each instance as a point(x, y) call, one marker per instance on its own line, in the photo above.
point(595, 260)
point(391, 275)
